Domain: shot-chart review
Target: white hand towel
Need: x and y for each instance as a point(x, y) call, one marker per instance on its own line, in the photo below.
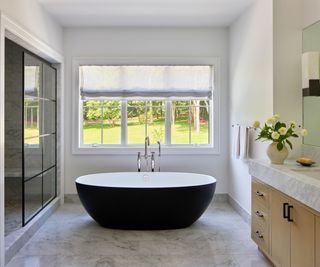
point(244, 142)
point(236, 142)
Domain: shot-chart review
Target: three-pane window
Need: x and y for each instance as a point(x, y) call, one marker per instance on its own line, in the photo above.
point(121, 105)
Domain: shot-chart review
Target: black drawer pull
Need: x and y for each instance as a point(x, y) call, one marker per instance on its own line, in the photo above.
point(259, 235)
point(285, 216)
point(259, 214)
point(259, 194)
point(289, 213)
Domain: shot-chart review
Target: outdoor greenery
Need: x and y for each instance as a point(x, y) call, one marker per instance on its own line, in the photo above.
point(102, 121)
point(93, 110)
point(136, 130)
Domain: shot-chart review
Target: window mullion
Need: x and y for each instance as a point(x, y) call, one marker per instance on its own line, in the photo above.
point(168, 119)
point(168, 122)
point(211, 121)
point(81, 120)
point(146, 119)
point(124, 122)
point(101, 136)
point(190, 120)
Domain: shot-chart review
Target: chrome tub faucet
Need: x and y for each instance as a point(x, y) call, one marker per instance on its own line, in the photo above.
point(146, 156)
point(146, 144)
point(159, 155)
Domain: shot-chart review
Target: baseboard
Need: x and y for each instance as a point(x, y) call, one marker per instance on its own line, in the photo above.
point(220, 197)
point(71, 198)
point(17, 239)
point(74, 198)
point(240, 210)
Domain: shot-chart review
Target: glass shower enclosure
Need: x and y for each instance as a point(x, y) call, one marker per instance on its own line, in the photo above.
point(30, 135)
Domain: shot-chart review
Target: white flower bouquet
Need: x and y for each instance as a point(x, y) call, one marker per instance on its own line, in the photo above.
point(278, 132)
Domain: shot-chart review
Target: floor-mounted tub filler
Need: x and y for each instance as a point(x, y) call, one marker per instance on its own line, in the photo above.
point(146, 200)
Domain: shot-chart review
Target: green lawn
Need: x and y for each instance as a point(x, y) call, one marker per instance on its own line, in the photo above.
point(136, 133)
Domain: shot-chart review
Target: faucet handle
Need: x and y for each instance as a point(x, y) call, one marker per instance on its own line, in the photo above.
point(139, 162)
point(152, 161)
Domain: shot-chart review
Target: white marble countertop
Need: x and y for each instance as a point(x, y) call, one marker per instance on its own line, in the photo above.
point(291, 179)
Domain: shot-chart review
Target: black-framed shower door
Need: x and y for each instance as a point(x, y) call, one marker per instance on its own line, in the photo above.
point(26, 219)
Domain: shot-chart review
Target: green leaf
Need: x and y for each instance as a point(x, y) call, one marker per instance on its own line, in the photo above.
point(279, 146)
point(277, 126)
point(289, 143)
point(295, 135)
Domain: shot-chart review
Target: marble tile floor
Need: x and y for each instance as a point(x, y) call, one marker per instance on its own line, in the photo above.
point(13, 204)
point(70, 238)
point(13, 215)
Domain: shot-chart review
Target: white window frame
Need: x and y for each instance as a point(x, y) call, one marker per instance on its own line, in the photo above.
point(214, 124)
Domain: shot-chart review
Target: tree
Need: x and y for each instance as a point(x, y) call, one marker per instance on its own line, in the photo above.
point(180, 108)
point(102, 110)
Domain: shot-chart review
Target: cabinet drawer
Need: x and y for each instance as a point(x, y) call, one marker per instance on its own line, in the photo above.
point(260, 214)
point(260, 193)
point(260, 236)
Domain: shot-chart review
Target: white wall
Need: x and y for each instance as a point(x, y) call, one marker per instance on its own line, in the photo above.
point(251, 81)
point(147, 42)
point(287, 42)
point(268, 30)
point(34, 19)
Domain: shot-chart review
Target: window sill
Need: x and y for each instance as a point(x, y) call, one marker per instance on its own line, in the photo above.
point(133, 150)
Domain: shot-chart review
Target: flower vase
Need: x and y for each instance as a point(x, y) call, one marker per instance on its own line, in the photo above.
point(276, 156)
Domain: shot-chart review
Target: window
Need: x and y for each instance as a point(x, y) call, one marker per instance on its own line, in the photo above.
point(101, 122)
point(119, 105)
point(146, 118)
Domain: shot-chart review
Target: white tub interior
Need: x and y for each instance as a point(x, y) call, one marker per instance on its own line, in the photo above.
point(145, 179)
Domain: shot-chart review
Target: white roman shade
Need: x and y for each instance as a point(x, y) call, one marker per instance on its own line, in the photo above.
point(145, 82)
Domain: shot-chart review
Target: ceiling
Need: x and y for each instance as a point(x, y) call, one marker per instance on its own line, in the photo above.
point(144, 13)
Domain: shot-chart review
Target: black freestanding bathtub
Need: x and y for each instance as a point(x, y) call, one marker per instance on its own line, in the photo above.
point(146, 201)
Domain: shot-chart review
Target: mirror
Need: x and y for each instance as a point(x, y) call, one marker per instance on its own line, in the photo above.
point(311, 83)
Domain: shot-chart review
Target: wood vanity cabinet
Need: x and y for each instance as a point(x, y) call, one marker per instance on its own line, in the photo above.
point(291, 228)
point(302, 236)
point(317, 241)
point(260, 226)
point(280, 234)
